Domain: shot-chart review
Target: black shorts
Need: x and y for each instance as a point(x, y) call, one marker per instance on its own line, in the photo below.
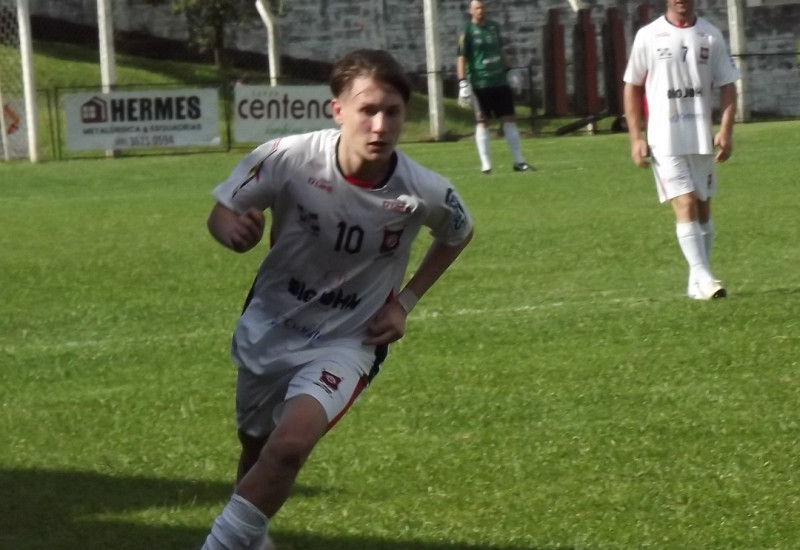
point(494, 102)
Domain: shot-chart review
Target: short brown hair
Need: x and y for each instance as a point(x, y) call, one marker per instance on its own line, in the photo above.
point(377, 64)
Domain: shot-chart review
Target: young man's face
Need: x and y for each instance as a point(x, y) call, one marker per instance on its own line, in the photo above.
point(371, 115)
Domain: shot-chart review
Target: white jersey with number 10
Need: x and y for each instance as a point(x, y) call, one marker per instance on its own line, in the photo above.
point(680, 67)
point(338, 251)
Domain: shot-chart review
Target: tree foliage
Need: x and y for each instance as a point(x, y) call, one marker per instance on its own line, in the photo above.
point(207, 19)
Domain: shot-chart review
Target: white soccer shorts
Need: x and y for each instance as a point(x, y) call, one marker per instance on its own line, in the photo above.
point(335, 380)
point(679, 175)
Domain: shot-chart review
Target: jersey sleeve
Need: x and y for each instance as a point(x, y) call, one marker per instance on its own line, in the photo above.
point(463, 45)
point(252, 183)
point(448, 218)
point(725, 72)
point(636, 70)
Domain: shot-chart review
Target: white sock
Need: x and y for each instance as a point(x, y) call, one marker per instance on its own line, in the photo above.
point(690, 239)
point(511, 132)
point(240, 526)
point(482, 142)
point(707, 230)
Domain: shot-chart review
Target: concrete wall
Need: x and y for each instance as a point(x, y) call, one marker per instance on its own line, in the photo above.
point(321, 30)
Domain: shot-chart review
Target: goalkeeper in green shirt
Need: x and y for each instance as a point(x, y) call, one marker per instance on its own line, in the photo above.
point(485, 83)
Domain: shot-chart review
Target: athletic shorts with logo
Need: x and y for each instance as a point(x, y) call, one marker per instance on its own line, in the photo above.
point(679, 175)
point(335, 378)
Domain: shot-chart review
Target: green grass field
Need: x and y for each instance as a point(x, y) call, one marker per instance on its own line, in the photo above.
point(555, 391)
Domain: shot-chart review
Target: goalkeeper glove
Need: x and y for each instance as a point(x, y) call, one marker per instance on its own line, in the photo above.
point(514, 81)
point(464, 94)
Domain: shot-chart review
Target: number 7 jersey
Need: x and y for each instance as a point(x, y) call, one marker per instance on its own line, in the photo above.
point(338, 251)
point(680, 67)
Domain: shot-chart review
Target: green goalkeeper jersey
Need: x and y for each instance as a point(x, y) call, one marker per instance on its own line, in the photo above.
point(482, 47)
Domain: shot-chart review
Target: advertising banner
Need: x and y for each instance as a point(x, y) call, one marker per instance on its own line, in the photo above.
point(261, 113)
point(142, 118)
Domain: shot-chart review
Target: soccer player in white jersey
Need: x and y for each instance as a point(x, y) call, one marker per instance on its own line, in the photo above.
point(328, 299)
point(676, 62)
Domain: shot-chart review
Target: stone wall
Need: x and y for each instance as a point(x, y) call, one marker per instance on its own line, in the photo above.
point(772, 60)
point(321, 30)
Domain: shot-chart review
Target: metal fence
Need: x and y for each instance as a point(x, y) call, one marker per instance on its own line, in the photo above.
point(179, 62)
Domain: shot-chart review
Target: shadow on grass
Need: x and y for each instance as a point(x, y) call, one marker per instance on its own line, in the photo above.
point(305, 542)
point(54, 510)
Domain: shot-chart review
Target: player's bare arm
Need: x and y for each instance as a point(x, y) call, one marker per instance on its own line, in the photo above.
point(634, 106)
point(723, 140)
point(389, 323)
point(461, 67)
point(239, 232)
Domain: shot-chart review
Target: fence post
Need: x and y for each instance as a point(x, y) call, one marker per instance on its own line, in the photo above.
point(584, 50)
point(555, 81)
point(615, 59)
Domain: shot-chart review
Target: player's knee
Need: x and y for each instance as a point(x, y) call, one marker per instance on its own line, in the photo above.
point(290, 449)
point(687, 200)
point(685, 207)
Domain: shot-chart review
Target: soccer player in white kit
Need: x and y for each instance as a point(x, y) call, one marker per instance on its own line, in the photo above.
point(328, 299)
point(675, 63)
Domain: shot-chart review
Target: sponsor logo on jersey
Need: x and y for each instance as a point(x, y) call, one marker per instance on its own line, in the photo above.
point(308, 332)
point(459, 214)
point(704, 54)
point(394, 206)
point(684, 93)
point(404, 203)
point(664, 53)
point(336, 299)
point(321, 184)
point(329, 381)
point(682, 117)
point(309, 220)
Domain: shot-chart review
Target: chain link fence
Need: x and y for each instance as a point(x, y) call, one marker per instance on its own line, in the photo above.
point(12, 105)
point(154, 49)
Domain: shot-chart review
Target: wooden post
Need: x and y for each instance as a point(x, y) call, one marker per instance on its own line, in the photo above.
point(584, 49)
point(555, 88)
point(615, 59)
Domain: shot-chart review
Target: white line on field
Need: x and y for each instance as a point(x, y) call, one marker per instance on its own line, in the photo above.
point(421, 314)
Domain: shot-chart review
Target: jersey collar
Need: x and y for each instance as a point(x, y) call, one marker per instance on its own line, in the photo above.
point(367, 184)
point(684, 25)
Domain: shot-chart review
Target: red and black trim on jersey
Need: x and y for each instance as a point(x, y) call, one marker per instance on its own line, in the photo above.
point(363, 184)
point(255, 171)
